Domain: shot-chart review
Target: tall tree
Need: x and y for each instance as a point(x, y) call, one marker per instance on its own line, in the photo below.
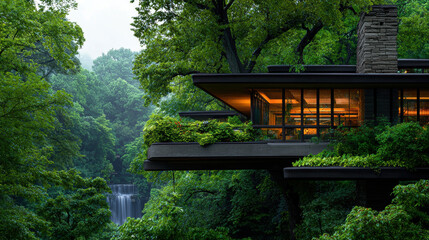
point(184, 37)
point(117, 63)
point(413, 36)
point(30, 110)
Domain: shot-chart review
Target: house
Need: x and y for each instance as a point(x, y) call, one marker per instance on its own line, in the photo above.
point(295, 108)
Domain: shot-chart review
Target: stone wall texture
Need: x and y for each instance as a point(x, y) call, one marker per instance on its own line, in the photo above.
point(376, 48)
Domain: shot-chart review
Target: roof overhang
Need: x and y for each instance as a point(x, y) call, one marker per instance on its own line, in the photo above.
point(231, 155)
point(234, 89)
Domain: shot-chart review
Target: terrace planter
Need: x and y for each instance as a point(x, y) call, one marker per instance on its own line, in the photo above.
point(227, 155)
point(354, 173)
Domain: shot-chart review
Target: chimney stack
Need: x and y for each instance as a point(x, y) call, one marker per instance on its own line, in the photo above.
point(376, 47)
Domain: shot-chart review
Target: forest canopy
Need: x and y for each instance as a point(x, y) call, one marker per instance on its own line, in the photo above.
point(67, 132)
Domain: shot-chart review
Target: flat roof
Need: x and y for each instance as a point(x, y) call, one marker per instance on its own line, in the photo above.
point(234, 89)
point(230, 155)
point(413, 63)
point(402, 64)
point(314, 68)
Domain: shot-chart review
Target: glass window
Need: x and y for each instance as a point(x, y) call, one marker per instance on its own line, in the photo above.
point(424, 106)
point(293, 134)
point(310, 107)
point(271, 110)
point(293, 107)
point(310, 133)
point(410, 105)
point(347, 107)
point(271, 133)
point(341, 106)
point(325, 107)
point(303, 110)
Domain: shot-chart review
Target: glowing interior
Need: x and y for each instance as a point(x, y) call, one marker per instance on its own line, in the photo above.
point(310, 111)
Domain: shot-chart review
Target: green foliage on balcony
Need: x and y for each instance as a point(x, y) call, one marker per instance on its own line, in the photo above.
point(168, 129)
point(403, 145)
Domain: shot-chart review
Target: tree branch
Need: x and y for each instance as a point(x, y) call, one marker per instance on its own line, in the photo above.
point(198, 5)
point(229, 4)
point(309, 36)
point(199, 191)
point(252, 61)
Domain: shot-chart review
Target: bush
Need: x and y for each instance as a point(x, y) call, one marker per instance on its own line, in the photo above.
point(406, 218)
point(403, 145)
point(358, 141)
point(168, 129)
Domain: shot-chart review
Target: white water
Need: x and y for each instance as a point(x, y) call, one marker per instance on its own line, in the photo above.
point(124, 202)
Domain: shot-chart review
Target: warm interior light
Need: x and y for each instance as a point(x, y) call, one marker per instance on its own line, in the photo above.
point(277, 101)
point(240, 101)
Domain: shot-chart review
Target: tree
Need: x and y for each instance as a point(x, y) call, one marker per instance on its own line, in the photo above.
point(405, 218)
point(211, 205)
point(33, 135)
point(117, 63)
point(105, 95)
point(413, 29)
point(184, 37)
point(29, 30)
point(79, 211)
point(97, 148)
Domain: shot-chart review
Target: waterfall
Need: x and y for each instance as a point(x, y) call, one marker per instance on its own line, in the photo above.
point(124, 202)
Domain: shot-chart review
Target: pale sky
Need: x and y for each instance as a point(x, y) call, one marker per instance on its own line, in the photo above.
point(106, 25)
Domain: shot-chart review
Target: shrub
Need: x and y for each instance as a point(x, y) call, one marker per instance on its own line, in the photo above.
point(404, 145)
point(358, 141)
point(406, 218)
point(168, 129)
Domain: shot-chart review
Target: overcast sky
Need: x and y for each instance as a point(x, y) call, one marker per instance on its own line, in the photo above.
point(106, 25)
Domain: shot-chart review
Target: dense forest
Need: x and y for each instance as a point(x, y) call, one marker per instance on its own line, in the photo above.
point(68, 132)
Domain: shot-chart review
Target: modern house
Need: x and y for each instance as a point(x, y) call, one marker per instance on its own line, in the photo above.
point(294, 108)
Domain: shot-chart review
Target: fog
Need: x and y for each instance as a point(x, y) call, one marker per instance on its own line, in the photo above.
point(106, 25)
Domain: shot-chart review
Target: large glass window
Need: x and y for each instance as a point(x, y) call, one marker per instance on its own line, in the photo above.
point(347, 103)
point(292, 106)
point(410, 105)
point(302, 114)
point(424, 106)
point(267, 112)
point(414, 105)
point(325, 107)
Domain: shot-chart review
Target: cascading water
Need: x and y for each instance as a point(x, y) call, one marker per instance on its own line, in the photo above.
point(124, 202)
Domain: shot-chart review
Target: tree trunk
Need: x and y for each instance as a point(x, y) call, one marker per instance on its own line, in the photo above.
point(228, 42)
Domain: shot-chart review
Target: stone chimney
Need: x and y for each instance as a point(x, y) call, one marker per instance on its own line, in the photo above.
point(376, 47)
